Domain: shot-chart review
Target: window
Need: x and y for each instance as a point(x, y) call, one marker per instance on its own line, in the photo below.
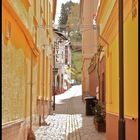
point(66, 55)
point(103, 87)
point(94, 23)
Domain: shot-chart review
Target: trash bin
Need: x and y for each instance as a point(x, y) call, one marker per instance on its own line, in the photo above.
point(90, 104)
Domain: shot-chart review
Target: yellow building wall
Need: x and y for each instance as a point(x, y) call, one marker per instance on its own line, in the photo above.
point(107, 19)
point(16, 58)
point(107, 6)
point(112, 85)
point(15, 71)
point(130, 70)
point(34, 85)
point(47, 80)
point(27, 86)
point(131, 66)
point(13, 90)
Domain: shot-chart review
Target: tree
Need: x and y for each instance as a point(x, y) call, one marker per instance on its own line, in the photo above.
point(76, 66)
point(69, 21)
point(70, 18)
point(73, 22)
point(75, 36)
point(65, 11)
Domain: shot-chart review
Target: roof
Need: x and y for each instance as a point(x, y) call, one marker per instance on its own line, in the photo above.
point(60, 34)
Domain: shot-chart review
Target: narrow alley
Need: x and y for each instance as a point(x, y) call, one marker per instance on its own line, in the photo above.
point(68, 121)
point(69, 70)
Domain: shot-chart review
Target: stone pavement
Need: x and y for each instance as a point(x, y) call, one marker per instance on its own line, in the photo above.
point(69, 122)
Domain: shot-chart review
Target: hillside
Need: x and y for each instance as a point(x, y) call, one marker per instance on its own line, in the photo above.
point(76, 65)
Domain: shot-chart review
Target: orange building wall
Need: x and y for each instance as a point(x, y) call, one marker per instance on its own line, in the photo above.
point(93, 81)
point(89, 41)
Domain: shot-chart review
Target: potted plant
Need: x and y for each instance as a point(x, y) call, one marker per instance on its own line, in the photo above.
point(99, 118)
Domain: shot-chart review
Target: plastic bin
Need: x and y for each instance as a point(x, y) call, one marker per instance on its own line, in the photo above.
point(90, 104)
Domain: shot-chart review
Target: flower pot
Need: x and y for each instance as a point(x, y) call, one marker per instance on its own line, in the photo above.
point(101, 127)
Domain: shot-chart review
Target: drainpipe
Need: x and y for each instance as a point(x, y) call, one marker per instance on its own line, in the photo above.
point(121, 122)
point(43, 84)
point(98, 71)
point(98, 66)
point(31, 92)
point(54, 79)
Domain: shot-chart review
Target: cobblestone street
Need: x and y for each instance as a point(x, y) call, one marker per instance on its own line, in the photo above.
point(69, 122)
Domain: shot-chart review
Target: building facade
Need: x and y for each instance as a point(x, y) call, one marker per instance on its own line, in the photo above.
point(107, 20)
point(26, 65)
point(88, 10)
point(102, 80)
point(62, 62)
point(97, 76)
point(93, 76)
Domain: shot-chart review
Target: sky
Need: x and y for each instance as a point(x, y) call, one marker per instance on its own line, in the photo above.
point(58, 8)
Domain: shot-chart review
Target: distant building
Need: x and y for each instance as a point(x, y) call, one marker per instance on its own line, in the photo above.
point(62, 62)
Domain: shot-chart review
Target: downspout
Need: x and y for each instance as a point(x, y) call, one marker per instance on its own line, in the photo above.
point(31, 134)
point(31, 92)
point(98, 66)
point(121, 122)
point(54, 79)
point(98, 71)
point(43, 84)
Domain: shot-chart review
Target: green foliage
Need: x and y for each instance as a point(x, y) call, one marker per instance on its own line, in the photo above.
point(75, 36)
point(73, 23)
point(69, 20)
point(76, 65)
point(99, 113)
point(65, 11)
